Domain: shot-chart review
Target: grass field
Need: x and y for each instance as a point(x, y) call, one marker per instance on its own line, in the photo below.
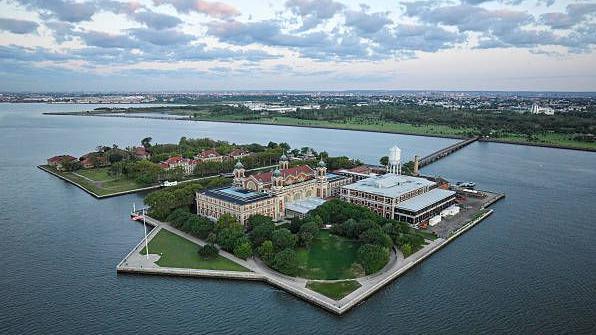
point(99, 181)
point(553, 139)
point(329, 257)
point(334, 290)
point(178, 252)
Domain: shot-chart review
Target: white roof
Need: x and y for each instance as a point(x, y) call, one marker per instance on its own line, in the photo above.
point(306, 205)
point(389, 185)
point(425, 199)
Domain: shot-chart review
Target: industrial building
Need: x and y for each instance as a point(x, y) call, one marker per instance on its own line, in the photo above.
point(399, 197)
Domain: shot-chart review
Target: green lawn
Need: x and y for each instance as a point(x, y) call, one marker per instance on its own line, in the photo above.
point(334, 290)
point(550, 139)
point(102, 184)
point(178, 252)
point(98, 174)
point(329, 257)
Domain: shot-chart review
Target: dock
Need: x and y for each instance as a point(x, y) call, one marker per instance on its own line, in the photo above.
point(435, 156)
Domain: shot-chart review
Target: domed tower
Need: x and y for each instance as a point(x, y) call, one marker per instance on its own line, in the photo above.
point(277, 181)
point(239, 174)
point(284, 162)
point(394, 165)
point(321, 169)
point(323, 183)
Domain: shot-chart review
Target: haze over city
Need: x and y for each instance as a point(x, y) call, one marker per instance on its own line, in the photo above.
point(65, 45)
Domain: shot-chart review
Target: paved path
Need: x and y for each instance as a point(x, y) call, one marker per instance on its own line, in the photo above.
point(397, 265)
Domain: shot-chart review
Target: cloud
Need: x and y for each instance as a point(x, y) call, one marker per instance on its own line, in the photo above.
point(156, 20)
point(210, 8)
point(313, 12)
point(18, 26)
point(505, 28)
point(63, 10)
point(367, 23)
point(574, 15)
point(161, 37)
point(106, 40)
point(405, 38)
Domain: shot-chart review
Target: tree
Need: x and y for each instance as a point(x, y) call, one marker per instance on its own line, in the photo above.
point(208, 251)
point(243, 250)
point(372, 257)
point(227, 221)
point(261, 233)
point(266, 252)
point(257, 220)
point(283, 239)
point(227, 238)
point(384, 160)
point(146, 142)
point(284, 146)
point(376, 236)
point(286, 262)
point(406, 249)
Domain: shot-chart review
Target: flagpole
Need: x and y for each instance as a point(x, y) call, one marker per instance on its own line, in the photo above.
point(145, 226)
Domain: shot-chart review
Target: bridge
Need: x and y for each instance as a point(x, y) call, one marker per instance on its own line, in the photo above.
point(435, 156)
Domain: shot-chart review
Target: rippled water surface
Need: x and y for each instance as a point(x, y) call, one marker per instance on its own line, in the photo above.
point(529, 268)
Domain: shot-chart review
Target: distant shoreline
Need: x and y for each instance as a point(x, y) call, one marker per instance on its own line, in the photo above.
point(170, 118)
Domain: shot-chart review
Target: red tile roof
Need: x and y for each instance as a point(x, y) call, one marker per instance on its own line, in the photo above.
point(59, 158)
point(238, 152)
point(265, 177)
point(208, 153)
point(140, 151)
point(174, 160)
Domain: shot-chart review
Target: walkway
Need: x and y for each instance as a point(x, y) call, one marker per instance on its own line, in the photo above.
point(397, 265)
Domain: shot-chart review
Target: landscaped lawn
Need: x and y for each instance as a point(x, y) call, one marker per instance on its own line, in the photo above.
point(334, 290)
point(102, 184)
point(98, 174)
point(329, 257)
point(178, 252)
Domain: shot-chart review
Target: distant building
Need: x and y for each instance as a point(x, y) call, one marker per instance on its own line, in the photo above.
point(542, 110)
point(94, 160)
point(188, 165)
point(238, 153)
point(209, 155)
point(58, 161)
point(399, 197)
point(357, 173)
point(141, 153)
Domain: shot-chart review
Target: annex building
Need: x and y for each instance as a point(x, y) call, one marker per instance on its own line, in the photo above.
point(399, 197)
point(269, 193)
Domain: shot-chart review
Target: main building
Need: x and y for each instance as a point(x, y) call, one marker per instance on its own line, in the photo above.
point(269, 193)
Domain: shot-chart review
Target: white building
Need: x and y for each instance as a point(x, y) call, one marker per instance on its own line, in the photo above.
point(399, 197)
point(542, 110)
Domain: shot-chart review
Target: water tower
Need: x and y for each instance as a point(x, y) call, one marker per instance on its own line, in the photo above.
point(394, 165)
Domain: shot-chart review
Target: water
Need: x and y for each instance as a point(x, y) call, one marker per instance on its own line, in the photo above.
point(529, 268)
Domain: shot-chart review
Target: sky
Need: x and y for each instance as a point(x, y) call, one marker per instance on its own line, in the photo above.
point(200, 45)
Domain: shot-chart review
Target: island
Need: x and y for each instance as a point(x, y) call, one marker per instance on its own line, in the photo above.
point(330, 237)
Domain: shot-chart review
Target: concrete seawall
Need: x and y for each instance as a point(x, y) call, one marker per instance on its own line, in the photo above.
point(296, 286)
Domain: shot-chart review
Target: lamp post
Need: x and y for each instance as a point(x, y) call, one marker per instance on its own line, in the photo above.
point(146, 245)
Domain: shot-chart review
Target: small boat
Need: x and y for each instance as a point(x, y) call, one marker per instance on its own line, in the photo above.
point(466, 185)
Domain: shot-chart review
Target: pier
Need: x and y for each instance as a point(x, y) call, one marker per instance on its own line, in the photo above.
point(435, 156)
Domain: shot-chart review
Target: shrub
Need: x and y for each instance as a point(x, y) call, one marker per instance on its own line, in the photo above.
point(266, 252)
point(372, 257)
point(283, 239)
point(285, 262)
point(243, 250)
point(208, 251)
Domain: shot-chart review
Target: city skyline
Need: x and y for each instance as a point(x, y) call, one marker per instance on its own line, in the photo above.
point(64, 45)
